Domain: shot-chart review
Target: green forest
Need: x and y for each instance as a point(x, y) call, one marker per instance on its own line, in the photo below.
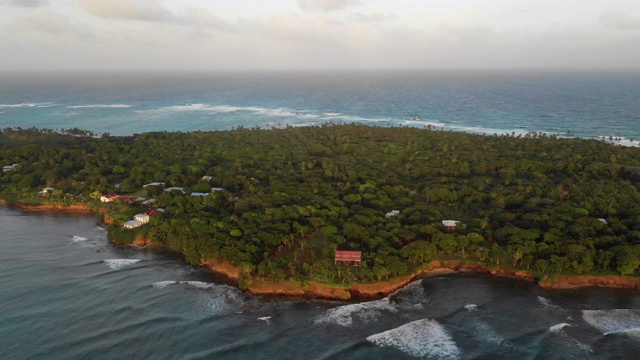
point(293, 196)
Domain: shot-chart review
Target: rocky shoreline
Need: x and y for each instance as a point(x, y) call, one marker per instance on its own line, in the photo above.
point(370, 291)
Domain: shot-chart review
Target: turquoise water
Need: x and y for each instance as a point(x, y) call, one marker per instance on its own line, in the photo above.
point(584, 104)
point(66, 293)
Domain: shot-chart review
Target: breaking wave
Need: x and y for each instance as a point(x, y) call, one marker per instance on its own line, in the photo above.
point(163, 284)
point(28, 105)
point(558, 327)
point(419, 338)
point(120, 263)
point(547, 304)
point(471, 307)
point(77, 238)
point(407, 298)
point(368, 311)
point(570, 341)
point(100, 106)
point(613, 321)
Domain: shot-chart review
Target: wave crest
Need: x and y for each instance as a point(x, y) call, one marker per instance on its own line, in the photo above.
point(419, 338)
point(120, 263)
point(100, 106)
point(613, 321)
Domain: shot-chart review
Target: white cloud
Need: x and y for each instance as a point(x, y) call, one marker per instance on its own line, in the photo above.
point(138, 10)
point(25, 3)
point(617, 19)
point(326, 5)
point(373, 18)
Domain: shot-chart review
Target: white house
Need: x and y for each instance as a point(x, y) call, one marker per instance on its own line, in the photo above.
point(450, 224)
point(181, 189)
point(8, 168)
point(207, 178)
point(602, 220)
point(214, 189)
point(143, 218)
point(109, 197)
point(132, 224)
point(45, 191)
point(392, 213)
point(153, 184)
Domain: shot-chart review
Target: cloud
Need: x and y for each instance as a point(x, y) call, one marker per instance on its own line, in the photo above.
point(26, 3)
point(373, 18)
point(127, 10)
point(326, 5)
point(620, 20)
point(43, 23)
point(152, 12)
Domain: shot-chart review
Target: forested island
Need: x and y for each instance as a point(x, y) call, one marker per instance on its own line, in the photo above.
point(276, 204)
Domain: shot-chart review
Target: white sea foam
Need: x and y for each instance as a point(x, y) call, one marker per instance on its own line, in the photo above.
point(421, 338)
point(544, 301)
point(613, 321)
point(163, 284)
point(488, 335)
point(471, 307)
point(569, 341)
point(620, 140)
point(423, 123)
point(222, 299)
point(120, 263)
point(547, 304)
point(367, 311)
point(100, 228)
point(77, 238)
point(199, 284)
point(557, 328)
point(264, 318)
point(100, 106)
point(28, 105)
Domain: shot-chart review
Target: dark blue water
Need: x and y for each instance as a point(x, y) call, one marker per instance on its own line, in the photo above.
point(66, 293)
point(584, 104)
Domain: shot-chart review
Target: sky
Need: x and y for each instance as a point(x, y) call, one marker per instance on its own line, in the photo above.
point(318, 34)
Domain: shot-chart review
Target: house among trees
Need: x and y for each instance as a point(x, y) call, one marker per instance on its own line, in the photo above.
point(207, 178)
point(153, 184)
point(45, 191)
point(141, 219)
point(392, 213)
point(109, 197)
point(8, 168)
point(451, 224)
point(200, 194)
point(181, 189)
point(348, 257)
point(132, 224)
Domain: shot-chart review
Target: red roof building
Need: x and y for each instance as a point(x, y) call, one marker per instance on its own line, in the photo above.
point(348, 256)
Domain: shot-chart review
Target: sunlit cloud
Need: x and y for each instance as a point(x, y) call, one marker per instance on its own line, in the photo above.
point(326, 5)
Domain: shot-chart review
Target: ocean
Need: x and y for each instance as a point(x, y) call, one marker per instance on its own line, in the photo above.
point(67, 293)
point(583, 104)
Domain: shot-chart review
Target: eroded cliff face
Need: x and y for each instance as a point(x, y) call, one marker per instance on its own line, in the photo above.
point(74, 208)
point(222, 268)
point(142, 241)
point(571, 282)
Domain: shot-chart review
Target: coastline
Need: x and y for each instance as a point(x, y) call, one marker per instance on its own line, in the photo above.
point(378, 290)
point(367, 291)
